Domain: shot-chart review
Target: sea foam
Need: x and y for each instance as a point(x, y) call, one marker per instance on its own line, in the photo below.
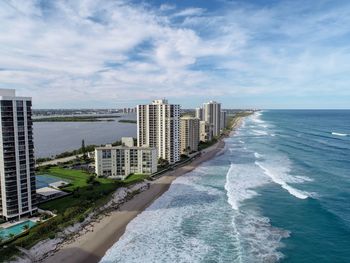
point(278, 180)
point(340, 134)
point(257, 239)
point(240, 181)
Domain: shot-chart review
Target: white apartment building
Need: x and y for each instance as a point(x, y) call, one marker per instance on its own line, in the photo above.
point(17, 163)
point(120, 161)
point(189, 134)
point(205, 131)
point(128, 141)
point(199, 113)
point(212, 115)
point(158, 126)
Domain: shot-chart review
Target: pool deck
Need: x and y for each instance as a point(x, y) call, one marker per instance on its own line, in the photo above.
point(10, 223)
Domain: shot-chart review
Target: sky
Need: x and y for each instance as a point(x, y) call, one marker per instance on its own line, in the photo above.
point(115, 54)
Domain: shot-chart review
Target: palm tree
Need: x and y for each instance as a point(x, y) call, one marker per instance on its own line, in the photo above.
point(83, 149)
point(11, 235)
point(25, 227)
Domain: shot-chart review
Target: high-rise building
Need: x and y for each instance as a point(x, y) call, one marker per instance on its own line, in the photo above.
point(17, 164)
point(223, 120)
point(189, 134)
point(128, 141)
point(158, 126)
point(199, 113)
point(205, 131)
point(212, 115)
point(120, 161)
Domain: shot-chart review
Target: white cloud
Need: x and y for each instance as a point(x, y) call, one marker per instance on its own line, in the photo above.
point(194, 11)
point(166, 7)
point(90, 50)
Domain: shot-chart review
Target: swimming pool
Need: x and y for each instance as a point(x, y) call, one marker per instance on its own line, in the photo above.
point(43, 180)
point(15, 229)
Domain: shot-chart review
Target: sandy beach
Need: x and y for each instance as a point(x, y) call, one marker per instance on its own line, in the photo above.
point(91, 246)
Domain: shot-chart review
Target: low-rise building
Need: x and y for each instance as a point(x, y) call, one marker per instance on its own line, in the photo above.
point(189, 134)
point(205, 131)
point(48, 193)
point(120, 161)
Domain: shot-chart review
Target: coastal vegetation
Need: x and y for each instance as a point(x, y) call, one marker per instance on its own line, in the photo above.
point(135, 178)
point(202, 145)
point(87, 193)
point(85, 188)
point(162, 163)
point(77, 118)
point(82, 150)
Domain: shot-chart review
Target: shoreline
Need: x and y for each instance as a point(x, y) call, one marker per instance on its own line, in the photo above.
point(91, 246)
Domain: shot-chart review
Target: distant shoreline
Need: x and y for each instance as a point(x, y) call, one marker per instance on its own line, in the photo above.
point(77, 118)
point(128, 121)
point(92, 246)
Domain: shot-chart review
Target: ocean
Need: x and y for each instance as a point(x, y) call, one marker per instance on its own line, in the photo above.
point(279, 192)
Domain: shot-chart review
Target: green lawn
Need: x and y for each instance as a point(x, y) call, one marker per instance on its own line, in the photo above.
point(77, 178)
point(83, 192)
point(91, 194)
point(134, 178)
point(87, 193)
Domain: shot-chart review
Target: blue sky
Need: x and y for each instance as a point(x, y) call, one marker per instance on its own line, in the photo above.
point(109, 53)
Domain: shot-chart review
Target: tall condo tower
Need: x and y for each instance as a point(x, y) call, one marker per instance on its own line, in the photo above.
point(158, 126)
point(17, 175)
point(199, 113)
point(189, 134)
point(212, 115)
point(223, 120)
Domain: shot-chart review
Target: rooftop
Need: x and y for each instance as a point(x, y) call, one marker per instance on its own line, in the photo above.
point(110, 147)
point(8, 92)
point(160, 101)
point(58, 184)
point(187, 117)
point(48, 191)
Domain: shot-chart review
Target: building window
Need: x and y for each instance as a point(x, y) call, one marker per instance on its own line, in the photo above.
point(106, 154)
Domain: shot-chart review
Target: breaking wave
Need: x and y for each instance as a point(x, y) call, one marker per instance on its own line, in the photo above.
point(340, 134)
point(278, 180)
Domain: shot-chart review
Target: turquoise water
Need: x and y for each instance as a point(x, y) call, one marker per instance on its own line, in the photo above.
point(16, 229)
point(279, 192)
point(43, 180)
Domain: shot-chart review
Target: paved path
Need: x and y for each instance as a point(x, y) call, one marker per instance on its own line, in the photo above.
point(59, 160)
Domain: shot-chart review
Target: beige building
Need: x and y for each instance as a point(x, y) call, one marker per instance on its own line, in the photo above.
point(189, 134)
point(223, 120)
point(120, 161)
point(205, 131)
point(158, 127)
point(212, 115)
